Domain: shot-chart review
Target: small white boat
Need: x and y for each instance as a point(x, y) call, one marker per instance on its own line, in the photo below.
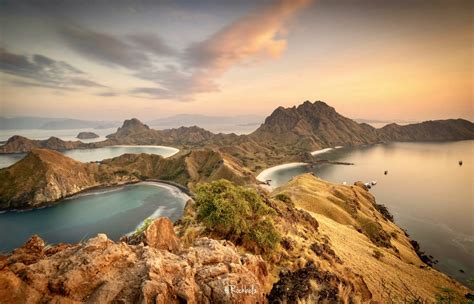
point(373, 183)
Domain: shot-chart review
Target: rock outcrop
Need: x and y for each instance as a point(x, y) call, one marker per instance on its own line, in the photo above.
point(102, 271)
point(87, 135)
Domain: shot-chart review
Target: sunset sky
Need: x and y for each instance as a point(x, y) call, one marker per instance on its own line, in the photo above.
point(374, 59)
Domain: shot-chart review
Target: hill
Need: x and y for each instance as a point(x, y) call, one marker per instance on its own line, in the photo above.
point(45, 176)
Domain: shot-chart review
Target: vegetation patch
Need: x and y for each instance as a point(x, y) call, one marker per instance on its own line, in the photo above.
point(237, 214)
point(427, 259)
point(375, 233)
point(146, 223)
point(384, 211)
point(307, 283)
point(377, 254)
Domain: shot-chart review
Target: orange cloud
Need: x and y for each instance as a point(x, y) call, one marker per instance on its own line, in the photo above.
point(251, 38)
point(255, 35)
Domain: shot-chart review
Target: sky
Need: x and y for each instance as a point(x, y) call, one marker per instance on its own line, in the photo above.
point(109, 60)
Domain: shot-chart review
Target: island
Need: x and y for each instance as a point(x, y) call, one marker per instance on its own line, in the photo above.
point(87, 135)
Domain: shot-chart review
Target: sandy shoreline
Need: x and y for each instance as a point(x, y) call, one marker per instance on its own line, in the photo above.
point(265, 174)
point(322, 151)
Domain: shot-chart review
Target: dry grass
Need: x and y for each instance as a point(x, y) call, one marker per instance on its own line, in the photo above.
point(391, 276)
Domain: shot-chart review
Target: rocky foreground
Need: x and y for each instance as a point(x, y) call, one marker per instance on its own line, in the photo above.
point(308, 241)
point(155, 271)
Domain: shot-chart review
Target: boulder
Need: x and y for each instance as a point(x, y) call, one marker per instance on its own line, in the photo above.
point(160, 234)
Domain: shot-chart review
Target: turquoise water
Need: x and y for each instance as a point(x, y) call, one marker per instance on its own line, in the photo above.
point(114, 211)
point(88, 155)
point(429, 194)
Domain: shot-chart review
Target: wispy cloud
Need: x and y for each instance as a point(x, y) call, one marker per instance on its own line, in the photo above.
point(42, 71)
point(106, 94)
point(253, 37)
point(104, 48)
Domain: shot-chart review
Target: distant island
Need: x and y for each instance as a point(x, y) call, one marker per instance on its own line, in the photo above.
point(87, 135)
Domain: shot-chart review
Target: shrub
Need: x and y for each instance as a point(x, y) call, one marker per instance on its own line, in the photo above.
point(143, 227)
point(375, 232)
point(283, 197)
point(384, 211)
point(236, 213)
point(377, 254)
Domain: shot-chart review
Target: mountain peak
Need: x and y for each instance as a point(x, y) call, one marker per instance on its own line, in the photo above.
point(129, 126)
point(134, 123)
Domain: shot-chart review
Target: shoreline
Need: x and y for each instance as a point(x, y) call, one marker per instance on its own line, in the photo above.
point(263, 175)
point(325, 150)
point(84, 192)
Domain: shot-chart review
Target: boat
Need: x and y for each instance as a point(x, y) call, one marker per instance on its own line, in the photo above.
point(460, 162)
point(386, 172)
point(373, 183)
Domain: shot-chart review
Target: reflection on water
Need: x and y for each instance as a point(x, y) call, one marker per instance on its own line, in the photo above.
point(114, 211)
point(428, 192)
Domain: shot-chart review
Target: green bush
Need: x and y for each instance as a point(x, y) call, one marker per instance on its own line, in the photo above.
point(283, 197)
point(237, 214)
point(147, 222)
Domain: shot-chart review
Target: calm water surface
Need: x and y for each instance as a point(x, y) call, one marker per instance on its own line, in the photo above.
point(430, 195)
point(88, 155)
point(114, 211)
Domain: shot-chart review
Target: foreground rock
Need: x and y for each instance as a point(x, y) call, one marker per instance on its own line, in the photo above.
point(87, 135)
point(102, 271)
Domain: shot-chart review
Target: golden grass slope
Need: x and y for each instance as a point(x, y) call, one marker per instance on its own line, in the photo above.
point(393, 272)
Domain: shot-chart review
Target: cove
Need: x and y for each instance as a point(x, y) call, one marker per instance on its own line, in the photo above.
point(98, 154)
point(113, 211)
point(427, 191)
